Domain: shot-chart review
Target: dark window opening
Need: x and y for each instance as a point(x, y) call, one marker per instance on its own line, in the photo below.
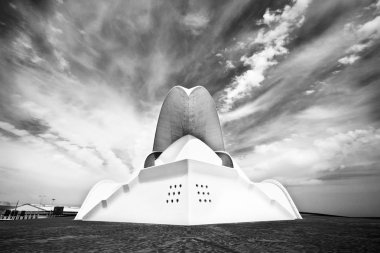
point(172, 201)
point(169, 193)
point(208, 193)
point(175, 186)
point(173, 193)
point(200, 200)
point(167, 201)
point(179, 193)
point(196, 185)
point(209, 200)
point(205, 200)
point(170, 187)
point(202, 185)
point(177, 200)
point(180, 186)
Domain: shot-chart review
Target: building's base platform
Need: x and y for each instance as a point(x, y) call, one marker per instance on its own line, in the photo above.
point(188, 192)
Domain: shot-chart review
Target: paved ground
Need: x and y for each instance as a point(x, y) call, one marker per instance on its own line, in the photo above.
point(312, 234)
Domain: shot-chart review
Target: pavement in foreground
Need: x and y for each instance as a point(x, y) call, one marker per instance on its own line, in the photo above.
point(312, 234)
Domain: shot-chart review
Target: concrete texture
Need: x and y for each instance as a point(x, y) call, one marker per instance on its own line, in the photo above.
point(312, 234)
point(186, 112)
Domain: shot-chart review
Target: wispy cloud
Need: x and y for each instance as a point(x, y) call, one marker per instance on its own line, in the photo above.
point(81, 84)
point(366, 35)
point(273, 41)
point(312, 120)
point(302, 159)
point(196, 22)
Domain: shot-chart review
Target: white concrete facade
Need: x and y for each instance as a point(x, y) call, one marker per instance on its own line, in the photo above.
point(188, 185)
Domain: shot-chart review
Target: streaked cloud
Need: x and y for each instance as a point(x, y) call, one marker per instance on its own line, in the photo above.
point(307, 159)
point(273, 40)
point(296, 84)
point(367, 34)
point(196, 22)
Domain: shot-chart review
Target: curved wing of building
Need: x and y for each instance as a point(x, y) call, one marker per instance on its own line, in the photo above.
point(188, 179)
point(188, 112)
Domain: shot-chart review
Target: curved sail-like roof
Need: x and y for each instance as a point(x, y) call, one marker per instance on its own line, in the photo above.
point(188, 112)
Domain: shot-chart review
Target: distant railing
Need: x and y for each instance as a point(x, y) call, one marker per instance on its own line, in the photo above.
point(29, 215)
point(21, 215)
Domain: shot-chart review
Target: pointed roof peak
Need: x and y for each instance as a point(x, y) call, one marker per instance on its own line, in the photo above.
point(188, 90)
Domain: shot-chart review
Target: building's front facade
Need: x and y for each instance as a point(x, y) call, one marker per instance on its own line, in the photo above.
point(189, 178)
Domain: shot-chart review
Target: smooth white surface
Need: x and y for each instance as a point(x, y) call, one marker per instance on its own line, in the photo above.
point(225, 195)
point(188, 91)
point(101, 190)
point(189, 147)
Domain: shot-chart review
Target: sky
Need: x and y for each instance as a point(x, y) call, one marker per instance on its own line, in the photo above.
point(296, 85)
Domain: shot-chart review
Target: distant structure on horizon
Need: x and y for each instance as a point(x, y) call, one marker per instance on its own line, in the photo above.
point(189, 178)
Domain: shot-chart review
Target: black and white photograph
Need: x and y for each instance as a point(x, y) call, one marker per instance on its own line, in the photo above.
point(190, 126)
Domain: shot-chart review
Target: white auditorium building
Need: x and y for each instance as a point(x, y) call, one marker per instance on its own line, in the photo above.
point(189, 178)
